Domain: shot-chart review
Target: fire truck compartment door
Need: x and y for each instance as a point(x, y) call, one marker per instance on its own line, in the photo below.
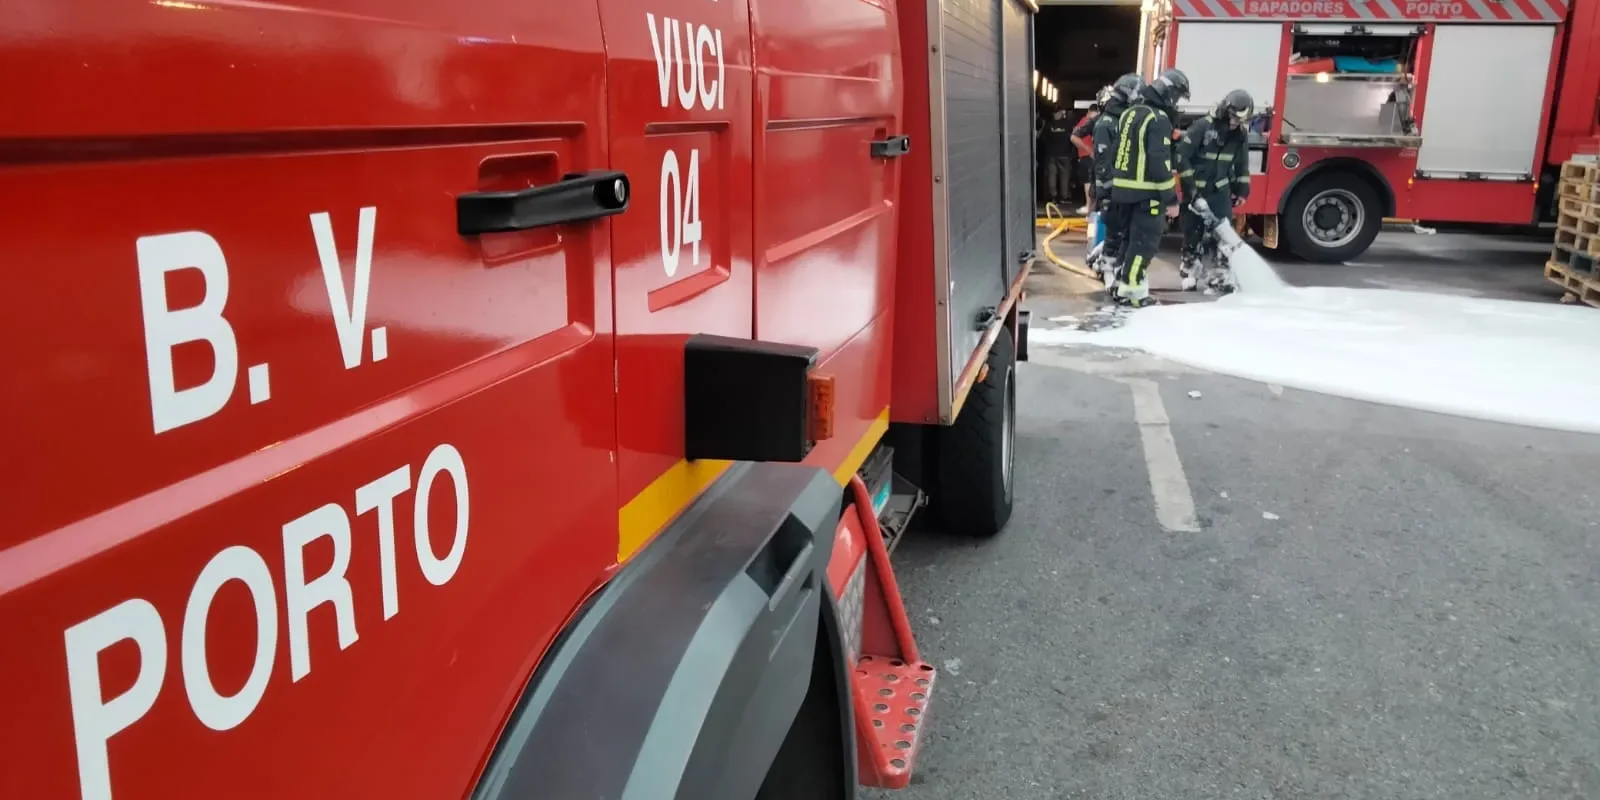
point(1466, 135)
point(1219, 57)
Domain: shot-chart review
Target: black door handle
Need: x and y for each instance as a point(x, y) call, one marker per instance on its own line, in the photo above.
point(575, 198)
point(892, 147)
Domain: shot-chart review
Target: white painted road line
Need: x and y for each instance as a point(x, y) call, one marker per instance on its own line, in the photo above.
point(1169, 486)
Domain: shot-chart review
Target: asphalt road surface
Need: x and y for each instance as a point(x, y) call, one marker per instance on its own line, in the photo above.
point(1371, 602)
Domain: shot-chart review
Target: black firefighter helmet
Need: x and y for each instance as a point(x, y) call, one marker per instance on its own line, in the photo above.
point(1171, 86)
point(1126, 88)
point(1236, 107)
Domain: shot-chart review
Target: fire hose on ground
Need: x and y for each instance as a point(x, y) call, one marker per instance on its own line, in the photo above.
point(1051, 211)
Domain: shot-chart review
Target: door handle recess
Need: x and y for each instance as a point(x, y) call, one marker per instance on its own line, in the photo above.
point(892, 147)
point(574, 198)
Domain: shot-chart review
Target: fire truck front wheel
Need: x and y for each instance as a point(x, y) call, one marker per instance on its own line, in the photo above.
point(976, 455)
point(1331, 217)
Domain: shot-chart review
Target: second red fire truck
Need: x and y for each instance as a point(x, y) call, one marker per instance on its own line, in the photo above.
point(1447, 110)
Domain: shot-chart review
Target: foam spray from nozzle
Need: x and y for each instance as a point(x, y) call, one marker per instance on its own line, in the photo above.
point(1251, 272)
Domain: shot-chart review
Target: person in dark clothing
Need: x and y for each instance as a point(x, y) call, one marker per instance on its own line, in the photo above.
point(1057, 141)
point(1143, 188)
point(1124, 92)
point(1213, 158)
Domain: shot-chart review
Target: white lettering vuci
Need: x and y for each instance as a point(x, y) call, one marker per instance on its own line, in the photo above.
point(684, 53)
point(97, 718)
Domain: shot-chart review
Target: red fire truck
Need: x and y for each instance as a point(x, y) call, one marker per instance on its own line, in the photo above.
point(423, 399)
point(1442, 110)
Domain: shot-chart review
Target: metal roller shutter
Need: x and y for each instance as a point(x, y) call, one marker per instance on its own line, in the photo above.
point(974, 120)
point(1019, 135)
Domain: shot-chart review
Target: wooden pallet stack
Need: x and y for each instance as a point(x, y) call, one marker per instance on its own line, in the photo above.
point(1577, 246)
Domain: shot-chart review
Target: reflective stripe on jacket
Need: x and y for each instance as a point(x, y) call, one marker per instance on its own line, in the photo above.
point(1142, 167)
point(1213, 159)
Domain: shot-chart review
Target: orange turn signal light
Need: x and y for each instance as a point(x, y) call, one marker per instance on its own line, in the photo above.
point(820, 391)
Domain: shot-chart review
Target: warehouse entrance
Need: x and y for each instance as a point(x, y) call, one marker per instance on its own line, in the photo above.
point(1078, 48)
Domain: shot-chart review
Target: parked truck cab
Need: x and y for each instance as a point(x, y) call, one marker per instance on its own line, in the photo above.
point(496, 400)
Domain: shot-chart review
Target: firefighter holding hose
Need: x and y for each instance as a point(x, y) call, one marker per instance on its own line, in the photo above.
point(1213, 164)
point(1143, 188)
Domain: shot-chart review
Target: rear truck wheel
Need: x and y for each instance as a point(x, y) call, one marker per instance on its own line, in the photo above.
point(1332, 216)
point(976, 455)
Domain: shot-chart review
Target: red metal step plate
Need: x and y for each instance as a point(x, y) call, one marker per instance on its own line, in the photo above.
point(894, 694)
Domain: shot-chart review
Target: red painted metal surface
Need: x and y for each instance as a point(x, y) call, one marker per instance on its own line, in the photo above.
point(825, 210)
point(254, 341)
point(890, 684)
point(916, 319)
point(1424, 64)
point(1577, 102)
point(894, 697)
point(683, 130)
point(158, 636)
point(1474, 201)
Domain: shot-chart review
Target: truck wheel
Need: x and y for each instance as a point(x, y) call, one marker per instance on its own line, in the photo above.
point(975, 456)
point(1333, 216)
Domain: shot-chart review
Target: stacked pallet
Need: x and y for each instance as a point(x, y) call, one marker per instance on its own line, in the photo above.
point(1577, 245)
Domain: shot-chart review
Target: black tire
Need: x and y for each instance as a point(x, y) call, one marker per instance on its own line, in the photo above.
point(975, 456)
point(1332, 216)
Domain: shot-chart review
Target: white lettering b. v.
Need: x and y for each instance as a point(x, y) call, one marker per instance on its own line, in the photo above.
point(350, 316)
point(165, 327)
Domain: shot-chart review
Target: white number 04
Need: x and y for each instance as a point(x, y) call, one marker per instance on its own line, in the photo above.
point(680, 210)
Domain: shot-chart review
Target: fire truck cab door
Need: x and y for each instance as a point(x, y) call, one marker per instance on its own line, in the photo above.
point(679, 100)
point(303, 477)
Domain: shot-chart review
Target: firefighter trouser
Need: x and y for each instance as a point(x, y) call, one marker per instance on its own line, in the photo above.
point(1115, 217)
point(1147, 221)
point(1058, 178)
point(1194, 229)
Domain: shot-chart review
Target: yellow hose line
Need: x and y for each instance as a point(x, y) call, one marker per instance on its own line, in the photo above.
point(1054, 259)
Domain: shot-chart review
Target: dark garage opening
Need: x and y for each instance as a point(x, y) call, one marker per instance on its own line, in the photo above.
point(1080, 48)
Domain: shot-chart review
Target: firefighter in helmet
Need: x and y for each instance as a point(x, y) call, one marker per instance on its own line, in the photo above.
point(1123, 93)
point(1213, 164)
point(1143, 191)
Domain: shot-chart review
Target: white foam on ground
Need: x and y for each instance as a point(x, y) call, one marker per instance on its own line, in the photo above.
point(1521, 363)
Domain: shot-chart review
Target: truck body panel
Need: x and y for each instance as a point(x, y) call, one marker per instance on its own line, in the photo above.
point(314, 477)
point(683, 255)
point(1573, 114)
point(966, 213)
point(250, 343)
point(827, 210)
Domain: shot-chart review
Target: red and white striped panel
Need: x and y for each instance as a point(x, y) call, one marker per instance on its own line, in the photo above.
point(1538, 11)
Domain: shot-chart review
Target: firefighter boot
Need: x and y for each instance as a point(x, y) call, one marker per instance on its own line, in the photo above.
point(1189, 270)
point(1108, 268)
point(1133, 295)
point(1219, 280)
